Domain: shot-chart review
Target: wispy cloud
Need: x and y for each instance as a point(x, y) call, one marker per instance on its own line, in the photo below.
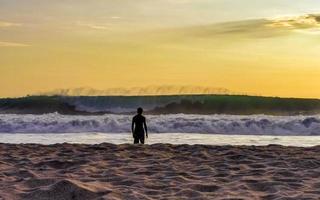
point(4, 24)
point(303, 21)
point(94, 26)
point(303, 24)
point(13, 44)
point(257, 28)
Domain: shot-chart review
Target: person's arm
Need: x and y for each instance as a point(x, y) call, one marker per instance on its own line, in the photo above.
point(132, 126)
point(145, 127)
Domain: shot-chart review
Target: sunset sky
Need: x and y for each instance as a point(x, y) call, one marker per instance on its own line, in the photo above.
point(264, 47)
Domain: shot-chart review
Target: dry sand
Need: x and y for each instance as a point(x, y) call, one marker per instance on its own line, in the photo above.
point(159, 171)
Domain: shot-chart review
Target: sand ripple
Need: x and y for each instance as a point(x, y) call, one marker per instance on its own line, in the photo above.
point(159, 171)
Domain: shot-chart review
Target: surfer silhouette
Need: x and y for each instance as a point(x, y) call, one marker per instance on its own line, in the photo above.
point(139, 127)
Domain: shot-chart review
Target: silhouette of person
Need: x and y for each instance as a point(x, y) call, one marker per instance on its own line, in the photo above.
point(139, 127)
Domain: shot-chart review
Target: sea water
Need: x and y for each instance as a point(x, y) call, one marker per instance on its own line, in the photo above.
point(298, 125)
point(52, 128)
point(172, 138)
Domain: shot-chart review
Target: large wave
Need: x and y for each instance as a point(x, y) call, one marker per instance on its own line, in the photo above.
point(172, 123)
point(139, 91)
point(187, 104)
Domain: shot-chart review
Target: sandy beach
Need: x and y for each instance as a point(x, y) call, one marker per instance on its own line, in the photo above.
point(158, 171)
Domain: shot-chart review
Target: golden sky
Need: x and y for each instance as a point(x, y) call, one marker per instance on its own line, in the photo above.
point(265, 47)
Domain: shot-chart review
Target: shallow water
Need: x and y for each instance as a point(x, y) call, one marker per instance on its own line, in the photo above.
point(173, 138)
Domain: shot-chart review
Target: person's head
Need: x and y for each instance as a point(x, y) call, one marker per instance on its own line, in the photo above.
point(139, 110)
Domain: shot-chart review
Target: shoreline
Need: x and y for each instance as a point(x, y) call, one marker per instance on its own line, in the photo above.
point(171, 138)
point(158, 171)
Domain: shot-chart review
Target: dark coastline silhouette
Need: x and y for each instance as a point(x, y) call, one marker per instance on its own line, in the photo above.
point(139, 127)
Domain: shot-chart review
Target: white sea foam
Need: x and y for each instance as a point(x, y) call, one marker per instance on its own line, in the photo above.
point(177, 123)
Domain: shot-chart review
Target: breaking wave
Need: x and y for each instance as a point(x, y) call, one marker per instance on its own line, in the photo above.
point(133, 91)
point(172, 123)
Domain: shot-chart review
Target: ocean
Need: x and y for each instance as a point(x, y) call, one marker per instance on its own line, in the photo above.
point(170, 138)
point(177, 119)
point(172, 128)
point(298, 125)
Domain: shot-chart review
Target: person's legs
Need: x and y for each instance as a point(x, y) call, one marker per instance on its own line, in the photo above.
point(142, 140)
point(136, 140)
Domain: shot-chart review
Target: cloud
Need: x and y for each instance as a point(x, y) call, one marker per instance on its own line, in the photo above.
point(13, 44)
point(304, 24)
point(94, 26)
point(256, 28)
point(304, 21)
point(4, 24)
point(275, 26)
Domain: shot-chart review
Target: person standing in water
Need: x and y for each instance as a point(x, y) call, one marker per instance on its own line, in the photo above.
point(139, 127)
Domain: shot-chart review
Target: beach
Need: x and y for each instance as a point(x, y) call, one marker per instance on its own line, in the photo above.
point(158, 171)
point(223, 97)
point(170, 138)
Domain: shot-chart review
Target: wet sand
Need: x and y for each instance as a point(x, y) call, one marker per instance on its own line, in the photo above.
point(170, 138)
point(158, 171)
